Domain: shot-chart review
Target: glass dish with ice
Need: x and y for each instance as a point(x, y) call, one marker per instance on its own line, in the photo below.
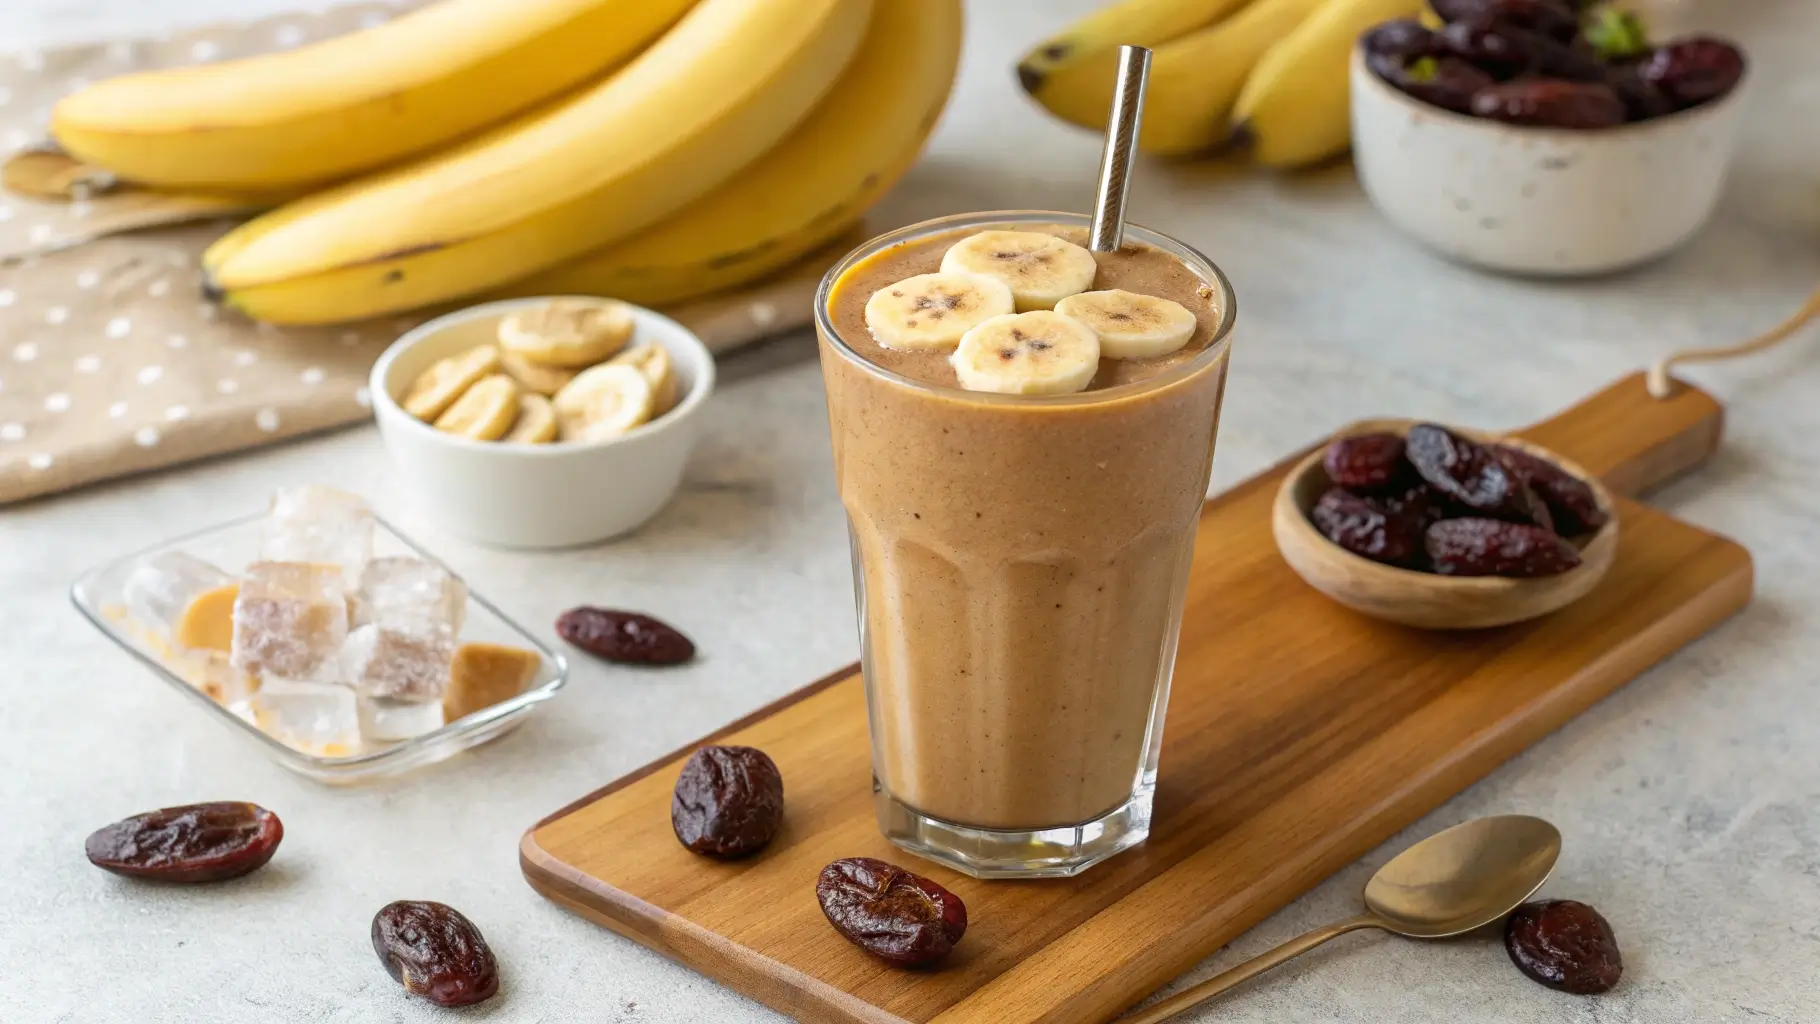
point(344, 648)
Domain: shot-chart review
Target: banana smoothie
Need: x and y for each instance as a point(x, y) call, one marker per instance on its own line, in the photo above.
point(1023, 432)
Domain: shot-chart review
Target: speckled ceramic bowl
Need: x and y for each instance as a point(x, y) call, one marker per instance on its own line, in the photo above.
point(1544, 201)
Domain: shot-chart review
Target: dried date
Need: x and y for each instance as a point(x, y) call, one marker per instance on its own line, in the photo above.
point(1467, 473)
point(435, 952)
point(1368, 528)
point(728, 802)
point(1446, 82)
point(1550, 17)
point(207, 842)
point(624, 636)
point(1565, 945)
point(897, 916)
point(1365, 462)
point(1551, 103)
point(1571, 503)
point(1493, 547)
point(1692, 71)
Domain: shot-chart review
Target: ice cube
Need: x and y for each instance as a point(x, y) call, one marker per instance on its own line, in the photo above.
point(316, 718)
point(161, 587)
point(408, 662)
point(290, 620)
point(399, 588)
point(384, 720)
point(318, 524)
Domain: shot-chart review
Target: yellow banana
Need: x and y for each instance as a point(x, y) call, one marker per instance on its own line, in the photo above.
point(808, 189)
point(1296, 106)
point(721, 87)
point(353, 102)
point(1071, 72)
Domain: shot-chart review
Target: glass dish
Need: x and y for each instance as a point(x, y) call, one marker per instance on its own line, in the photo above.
point(98, 594)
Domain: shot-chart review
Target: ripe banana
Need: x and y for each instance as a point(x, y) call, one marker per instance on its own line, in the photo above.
point(803, 193)
point(724, 85)
point(1071, 72)
point(930, 312)
point(1040, 269)
point(1296, 106)
point(1040, 352)
point(1130, 325)
point(1194, 79)
point(353, 102)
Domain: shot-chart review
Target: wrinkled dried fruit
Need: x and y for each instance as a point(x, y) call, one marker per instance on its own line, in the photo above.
point(624, 636)
point(1642, 100)
point(198, 843)
point(1493, 547)
point(1691, 71)
point(1571, 503)
point(1551, 17)
point(1551, 103)
point(1448, 82)
point(1370, 529)
point(896, 916)
point(1364, 461)
point(1467, 473)
point(1403, 39)
point(1565, 945)
point(435, 952)
point(729, 801)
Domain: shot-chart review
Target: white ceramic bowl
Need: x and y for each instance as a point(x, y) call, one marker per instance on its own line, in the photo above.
point(538, 496)
point(1544, 201)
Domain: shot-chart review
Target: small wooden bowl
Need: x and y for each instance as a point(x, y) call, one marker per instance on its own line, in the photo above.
point(1423, 599)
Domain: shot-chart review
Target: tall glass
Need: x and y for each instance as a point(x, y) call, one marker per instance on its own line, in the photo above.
point(1019, 565)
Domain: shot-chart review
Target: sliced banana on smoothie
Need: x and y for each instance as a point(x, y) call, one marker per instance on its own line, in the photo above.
point(1130, 325)
point(930, 312)
point(536, 423)
point(652, 360)
point(1040, 269)
point(484, 412)
point(567, 332)
point(1040, 352)
point(603, 401)
point(437, 388)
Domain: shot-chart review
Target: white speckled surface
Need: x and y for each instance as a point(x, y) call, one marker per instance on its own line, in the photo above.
point(1690, 801)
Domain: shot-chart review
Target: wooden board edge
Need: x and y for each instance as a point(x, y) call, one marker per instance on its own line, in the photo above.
point(709, 954)
point(794, 696)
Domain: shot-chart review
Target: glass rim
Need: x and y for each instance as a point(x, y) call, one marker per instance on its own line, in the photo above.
point(1196, 260)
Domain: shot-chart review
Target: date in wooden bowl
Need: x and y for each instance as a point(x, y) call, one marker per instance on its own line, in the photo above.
point(1424, 599)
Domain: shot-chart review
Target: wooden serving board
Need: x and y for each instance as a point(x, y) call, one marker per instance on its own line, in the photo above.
point(1300, 736)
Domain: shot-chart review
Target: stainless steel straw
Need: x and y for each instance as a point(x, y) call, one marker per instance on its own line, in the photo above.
point(1121, 147)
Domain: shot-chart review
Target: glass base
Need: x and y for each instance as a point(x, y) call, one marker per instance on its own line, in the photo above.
point(1037, 853)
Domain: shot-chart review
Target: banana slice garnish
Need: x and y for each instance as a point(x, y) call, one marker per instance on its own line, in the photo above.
point(1037, 353)
point(437, 388)
point(1130, 325)
point(536, 423)
point(930, 312)
point(567, 332)
point(604, 401)
point(653, 360)
point(1040, 269)
point(484, 412)
point(544, 380)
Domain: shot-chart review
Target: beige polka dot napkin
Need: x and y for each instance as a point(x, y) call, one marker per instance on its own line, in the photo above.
point(112, 363)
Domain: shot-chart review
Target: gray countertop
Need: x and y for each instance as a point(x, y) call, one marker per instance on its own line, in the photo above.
point(1690, 801)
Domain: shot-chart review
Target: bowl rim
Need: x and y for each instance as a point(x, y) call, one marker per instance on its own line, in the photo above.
point(1675, 121)
point(384, 404)
point(1605, 537)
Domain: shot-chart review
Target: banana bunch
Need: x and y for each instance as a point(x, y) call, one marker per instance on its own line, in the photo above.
point(647, 150)
point(1272, 72)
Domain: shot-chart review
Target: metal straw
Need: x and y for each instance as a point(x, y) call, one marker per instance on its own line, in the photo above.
point(1121, 146)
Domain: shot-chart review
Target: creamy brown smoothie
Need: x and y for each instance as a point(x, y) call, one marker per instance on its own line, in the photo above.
point(1021, 560)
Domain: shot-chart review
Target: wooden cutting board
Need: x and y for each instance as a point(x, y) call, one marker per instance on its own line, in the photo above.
point(1300, 736)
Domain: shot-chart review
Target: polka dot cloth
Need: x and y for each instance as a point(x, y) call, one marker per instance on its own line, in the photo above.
point(110, 362)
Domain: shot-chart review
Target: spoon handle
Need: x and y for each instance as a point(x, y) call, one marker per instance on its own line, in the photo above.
point(1249, 969)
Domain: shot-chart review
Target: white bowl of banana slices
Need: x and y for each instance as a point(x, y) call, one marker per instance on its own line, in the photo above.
point(544, 422)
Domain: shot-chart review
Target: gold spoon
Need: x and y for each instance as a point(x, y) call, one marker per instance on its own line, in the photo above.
point(1467, 877)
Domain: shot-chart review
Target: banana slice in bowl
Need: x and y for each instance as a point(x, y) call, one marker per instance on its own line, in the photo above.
point(602, 402)
point(567, 333)
point(1039, 268)
point(1130, 325)
point(1041, 352)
